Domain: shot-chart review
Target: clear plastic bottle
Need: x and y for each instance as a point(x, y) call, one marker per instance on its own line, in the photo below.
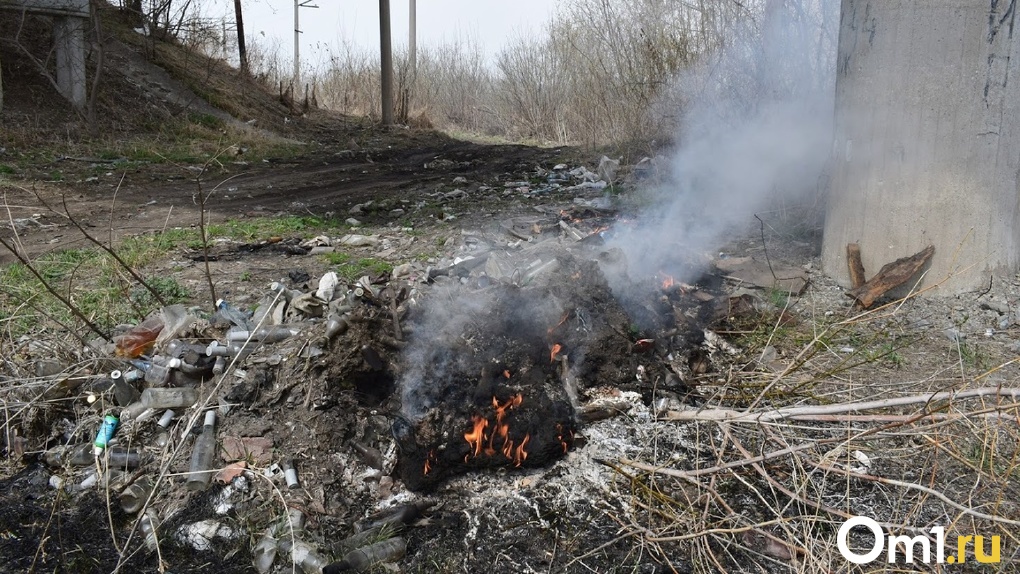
point(149, 525)
point(232, 314)
point(134, 496)
point(219, 365)
point(201, 470)
point(159, 372)
point(285, 293)
point(264, 553)
point(270, 334)
point(169, 398)
point(124, 393)
point(307, 557)
point(336, 325)
point(362, 558)
point(84, 455)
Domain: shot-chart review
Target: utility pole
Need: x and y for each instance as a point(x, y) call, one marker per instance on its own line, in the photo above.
point(242, 53)
point(387, 62)
point(298, 4)
point(412, 46)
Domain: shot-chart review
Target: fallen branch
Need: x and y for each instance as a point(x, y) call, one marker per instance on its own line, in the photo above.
point(914, 486)
point(65, 301)
point(731, 415)
point(687, 474)
point(892, 275)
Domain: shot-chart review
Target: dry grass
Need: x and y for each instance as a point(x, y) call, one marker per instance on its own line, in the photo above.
point(789, 453)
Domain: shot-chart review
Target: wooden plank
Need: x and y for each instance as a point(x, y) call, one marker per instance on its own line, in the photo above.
point(891, 275)
point(853, 262)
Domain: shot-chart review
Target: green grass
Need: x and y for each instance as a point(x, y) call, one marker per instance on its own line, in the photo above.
point(351, 269)
point(263, 227)
point(94, 282)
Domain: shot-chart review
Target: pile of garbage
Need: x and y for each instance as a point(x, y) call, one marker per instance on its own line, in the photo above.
point(173, 379)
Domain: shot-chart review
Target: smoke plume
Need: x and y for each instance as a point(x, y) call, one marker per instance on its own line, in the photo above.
point(756, 125)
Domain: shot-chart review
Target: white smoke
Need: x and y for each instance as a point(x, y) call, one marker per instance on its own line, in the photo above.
point(756, 125)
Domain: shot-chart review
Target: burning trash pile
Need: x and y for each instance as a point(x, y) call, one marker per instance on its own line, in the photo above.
point(362, 396)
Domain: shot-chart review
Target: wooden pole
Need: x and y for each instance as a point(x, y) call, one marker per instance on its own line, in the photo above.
point(387, 62)
point(242, 53)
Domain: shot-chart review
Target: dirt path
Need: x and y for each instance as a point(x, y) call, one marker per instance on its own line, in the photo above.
point(395, 168)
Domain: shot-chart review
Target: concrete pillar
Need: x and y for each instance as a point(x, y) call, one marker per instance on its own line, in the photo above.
point(927, 139)
point(69, 35)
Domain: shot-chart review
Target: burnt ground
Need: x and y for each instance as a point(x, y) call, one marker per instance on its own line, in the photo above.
point(631, 469)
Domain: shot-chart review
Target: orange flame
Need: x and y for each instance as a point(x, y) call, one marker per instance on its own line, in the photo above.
point(481, 440)
point(563, 441)
point(428, 461)
point(476, 436)
point(668, 281)
point(519, 453)
point(555, 351)
point(566, 316)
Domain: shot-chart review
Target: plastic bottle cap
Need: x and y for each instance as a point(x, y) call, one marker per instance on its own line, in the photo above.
point(173, 363)
point(210, 418)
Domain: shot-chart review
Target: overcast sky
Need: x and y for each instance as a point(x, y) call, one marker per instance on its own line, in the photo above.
point(490, 22)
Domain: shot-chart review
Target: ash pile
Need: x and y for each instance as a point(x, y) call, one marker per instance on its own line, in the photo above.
point(513, 339)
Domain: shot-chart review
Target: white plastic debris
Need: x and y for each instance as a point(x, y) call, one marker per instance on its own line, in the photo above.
point(327, 286)
point(201, 534)
point(318, 241)
point(865, 463)
point(355, 240)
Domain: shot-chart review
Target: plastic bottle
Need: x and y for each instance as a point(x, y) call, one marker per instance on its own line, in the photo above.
point(123, 392)
point(287, 294)
point(233, 349)
point(362, 558)
point(307, 557)
point(290, 474)
point(149, 525)
point(136, 411)
point(336, 325)
point(232, 314)
point(169, 398)
point(302, 553)
point(132, 376)
point(159, 372)
point(394, 518)
point(84, 455)
point(271, 334)
point(140, 338)
point(105, 433)
point(264, 553)
point(200, 472)
point(121, 457)
point(134, 496)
